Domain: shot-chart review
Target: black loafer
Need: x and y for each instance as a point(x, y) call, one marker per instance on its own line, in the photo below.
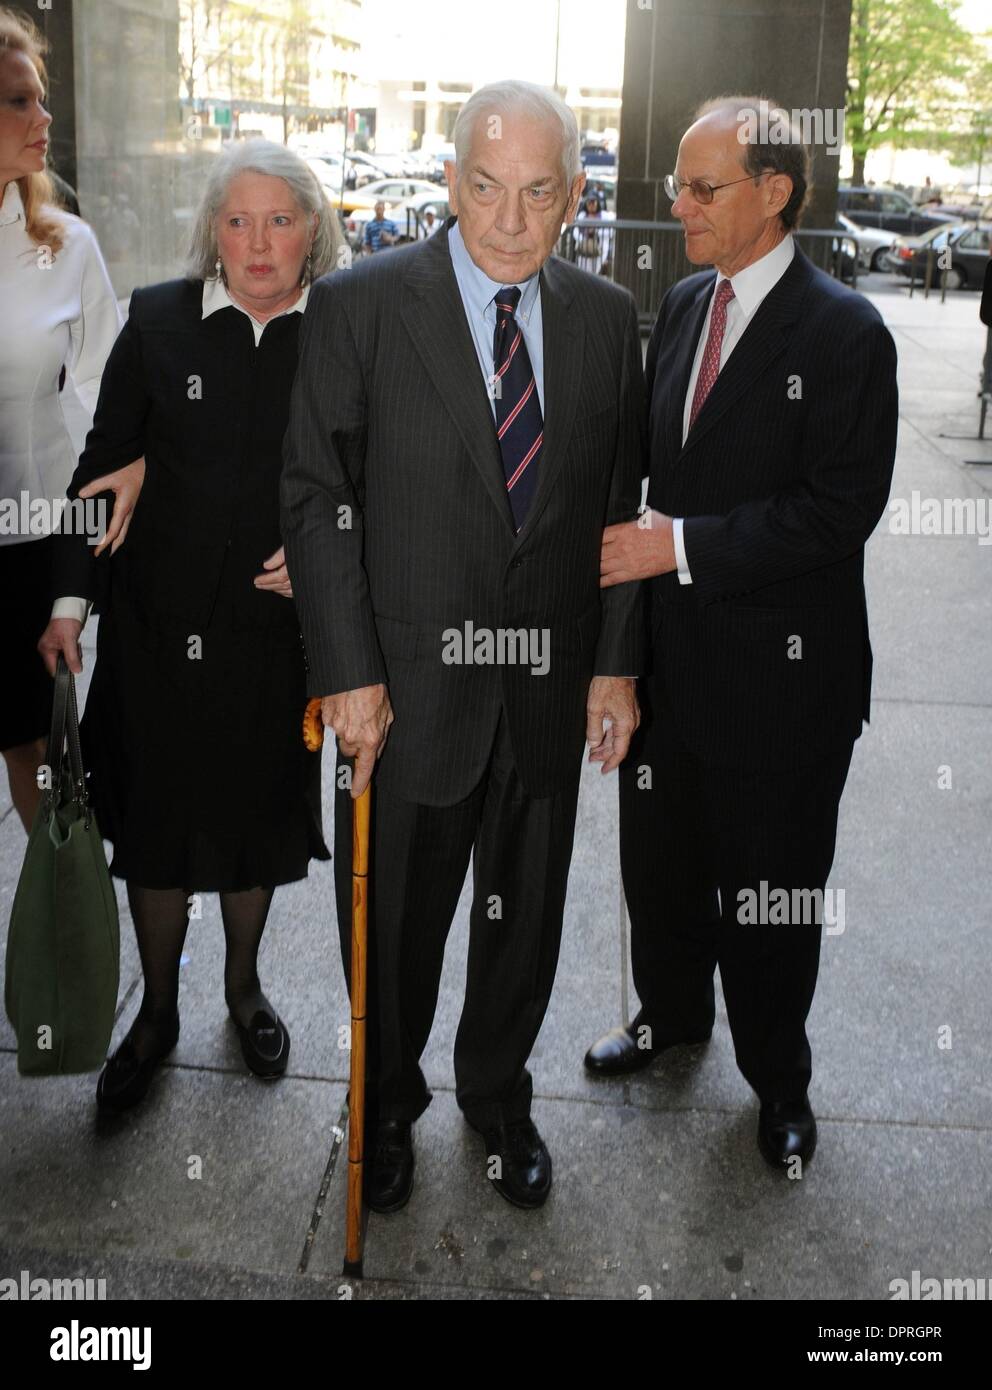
point(786, 1131)
point(389, 1177)
point(622, 1050)
point(125, 1078)
point(264, 1044)
point(523, 1171)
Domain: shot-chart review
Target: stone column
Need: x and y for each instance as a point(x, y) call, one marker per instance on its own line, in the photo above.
point(681, 52)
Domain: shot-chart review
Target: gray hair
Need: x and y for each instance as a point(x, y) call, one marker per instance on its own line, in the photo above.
point(791, 157)
point(512, 98)
point(262, 157)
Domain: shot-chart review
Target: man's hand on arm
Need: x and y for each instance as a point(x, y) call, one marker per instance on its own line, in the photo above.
point(275, 575)
point(126, 484)
point(612, 715)
point(360, 720)
point(637, 550)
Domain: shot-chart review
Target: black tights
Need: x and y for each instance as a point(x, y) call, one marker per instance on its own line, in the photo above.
point(160, 917)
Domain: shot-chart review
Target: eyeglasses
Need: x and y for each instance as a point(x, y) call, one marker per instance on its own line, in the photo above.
point(700, 189)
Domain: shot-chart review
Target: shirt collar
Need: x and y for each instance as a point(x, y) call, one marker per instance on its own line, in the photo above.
point(13, 208)
point(477, 286)
point(215, 296)
point(753, 282)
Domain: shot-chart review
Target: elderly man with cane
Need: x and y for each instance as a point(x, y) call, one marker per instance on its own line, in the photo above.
point(468, 416)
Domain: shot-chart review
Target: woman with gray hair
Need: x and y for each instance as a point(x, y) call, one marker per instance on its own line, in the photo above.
point(192, 727)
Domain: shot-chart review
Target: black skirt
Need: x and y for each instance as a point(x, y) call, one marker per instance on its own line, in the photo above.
point(25, 607)
point(194, 752)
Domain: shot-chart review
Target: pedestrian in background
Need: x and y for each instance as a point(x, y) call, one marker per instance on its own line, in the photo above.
point(593, 245)
point(380, 232)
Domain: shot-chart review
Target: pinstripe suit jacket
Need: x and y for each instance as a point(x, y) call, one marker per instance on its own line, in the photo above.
point(398, 528)
point(782, 479)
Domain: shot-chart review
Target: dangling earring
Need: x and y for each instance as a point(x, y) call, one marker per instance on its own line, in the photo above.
point(307, 275)
point(219, 270)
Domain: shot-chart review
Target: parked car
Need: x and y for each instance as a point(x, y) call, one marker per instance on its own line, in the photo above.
point(885, 208)
point(970, 245)
point(598, 156)
point(368, 168)
point(393, 166)
point(391, 191)
point(873, 243)
point(435, 162)
point(434, 197)
point(328, 168)
point(960, 209)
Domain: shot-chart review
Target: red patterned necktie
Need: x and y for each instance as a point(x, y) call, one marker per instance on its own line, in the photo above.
point(710, 367)
point(519, 423)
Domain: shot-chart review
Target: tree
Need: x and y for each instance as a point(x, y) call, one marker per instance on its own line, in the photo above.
point(197, 56)
point(294, 61)
point(904, 60)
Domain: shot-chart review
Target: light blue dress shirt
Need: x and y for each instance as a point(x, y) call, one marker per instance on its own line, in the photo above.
point(477, 292)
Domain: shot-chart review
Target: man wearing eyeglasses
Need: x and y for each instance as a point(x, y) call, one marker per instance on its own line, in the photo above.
point(773, 410)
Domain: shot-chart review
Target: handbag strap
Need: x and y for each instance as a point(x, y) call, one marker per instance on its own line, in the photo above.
point(65, 728)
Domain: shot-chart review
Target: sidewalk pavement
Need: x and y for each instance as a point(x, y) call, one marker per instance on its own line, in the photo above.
point(659, 1188)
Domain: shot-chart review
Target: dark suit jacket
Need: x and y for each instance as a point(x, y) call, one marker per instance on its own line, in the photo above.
point(397, 524)
point(207, 409)
point(782, 479)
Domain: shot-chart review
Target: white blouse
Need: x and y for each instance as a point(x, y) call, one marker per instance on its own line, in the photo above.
point(53, 311)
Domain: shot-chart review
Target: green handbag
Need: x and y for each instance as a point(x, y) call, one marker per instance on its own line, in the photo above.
point(63, 944)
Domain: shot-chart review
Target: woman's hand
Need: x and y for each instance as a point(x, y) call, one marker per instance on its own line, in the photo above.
point(277, 576)
point(125, 484)
point(61, 635)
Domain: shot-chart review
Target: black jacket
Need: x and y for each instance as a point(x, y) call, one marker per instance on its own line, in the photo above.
point(782, 479)
point(398, 527)
point(207, 409)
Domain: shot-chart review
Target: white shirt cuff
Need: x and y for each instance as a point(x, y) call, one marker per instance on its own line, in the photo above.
point(78, 608)
point(683, 564)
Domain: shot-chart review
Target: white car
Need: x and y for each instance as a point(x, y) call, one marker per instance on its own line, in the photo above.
point(873, 243)
point(434, 197)
point(391, 191)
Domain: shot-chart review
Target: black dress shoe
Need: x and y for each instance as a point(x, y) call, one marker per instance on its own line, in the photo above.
point(786, 1130)
point(389, 1177)
point(125, 1079)
point(524, 1168)
point(621, 1050)
point(264, 1044)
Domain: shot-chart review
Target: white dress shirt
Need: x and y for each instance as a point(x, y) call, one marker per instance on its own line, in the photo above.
point(56, 310)
point(751, 285)
point(477, 294)
point(215, 296)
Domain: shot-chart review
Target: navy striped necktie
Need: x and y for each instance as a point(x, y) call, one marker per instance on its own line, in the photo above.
point(519, 423)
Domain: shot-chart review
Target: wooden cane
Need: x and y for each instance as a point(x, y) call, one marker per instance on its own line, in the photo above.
point(313, 737)
point(361, 809)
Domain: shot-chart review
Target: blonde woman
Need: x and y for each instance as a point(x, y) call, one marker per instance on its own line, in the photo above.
point(58, 311)
point(192, 727)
